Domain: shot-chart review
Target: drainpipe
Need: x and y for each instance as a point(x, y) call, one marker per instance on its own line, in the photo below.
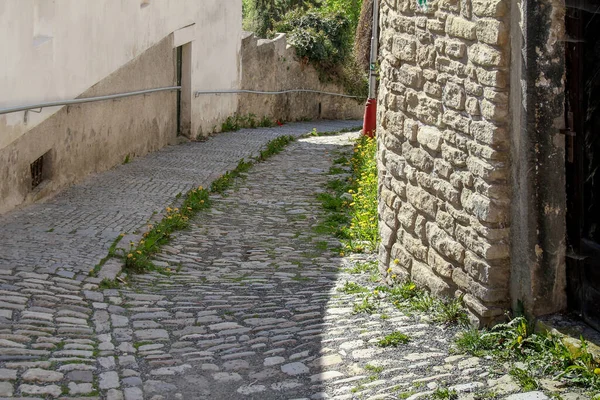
point(370, 121)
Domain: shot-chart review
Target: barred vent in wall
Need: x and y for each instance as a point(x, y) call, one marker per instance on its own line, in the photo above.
point(37, 172)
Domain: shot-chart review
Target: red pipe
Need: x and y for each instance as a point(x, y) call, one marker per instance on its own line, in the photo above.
point(370, 121)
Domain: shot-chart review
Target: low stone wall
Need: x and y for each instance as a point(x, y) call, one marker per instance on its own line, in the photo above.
point(444, 149)
point(272, 65)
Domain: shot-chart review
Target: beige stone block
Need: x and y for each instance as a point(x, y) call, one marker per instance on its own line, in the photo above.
point(421, 200)
point(388, 217)
point(398, 187)
point(388, 198)
point(425, 180)
point(387, 235)
point(492, 31)
point(400, 261)
point(391, 141)
point(454, 156)
point(449, 5)
point(430, 75)
point(383, 256)
point(487, 170)
point(498, 191)
point(436, 25)
point(490, 8)
point(459, 215)
point(392, 120)
point(488, 133)
point(404, 48)
point(446, 191)
point(451, 67)
point(418, 157)
point(457, 121)
point(426, 56)
point(449, 136)
point(423, 107)
point(414, 246)
point(461, 28)
point(473, 88)
point(482, 310)
point(410, 76)
point(445, 221)
point(472, 106)
point(439, 264)
point(454, 96)
point(442, 168)
point(493, 78)
point(424, 276)
point(395, 165)
point(494, 112)
point(430, 138)
point(444, 243)
point(492, 275)
point(406, 216)
point(480, 246)
point(465, 178)
point(420, 228)
point(411, 127)
point(485, 152)
point(486, 56)
point(424, 37)
point(456, 48)
point(433, 89)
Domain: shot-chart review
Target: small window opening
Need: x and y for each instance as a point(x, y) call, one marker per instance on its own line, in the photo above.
point(37, 172)
point(320, 109)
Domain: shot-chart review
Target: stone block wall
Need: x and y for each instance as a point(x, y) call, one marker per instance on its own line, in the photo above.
point(444, 145)
point(272, 65)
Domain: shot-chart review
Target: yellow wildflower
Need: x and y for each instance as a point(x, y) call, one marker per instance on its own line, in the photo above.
point(394, 276)
point(597, 371)
point(129, 255)
point(341, 254)
point(396, 261)
point(389, 270)
point(139, 252)
point(519, 339)
point(169, 209)
point(200, 188)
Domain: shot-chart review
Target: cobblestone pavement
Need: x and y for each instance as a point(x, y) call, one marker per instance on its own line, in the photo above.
point(251, 311)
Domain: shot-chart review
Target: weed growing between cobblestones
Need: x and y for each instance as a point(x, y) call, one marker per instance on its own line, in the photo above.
point(367, 305)
point(543, 354)
point(394, 339)
point(444, 393)
point(353, 288)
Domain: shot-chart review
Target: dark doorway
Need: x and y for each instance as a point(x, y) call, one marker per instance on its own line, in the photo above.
point(583, 158)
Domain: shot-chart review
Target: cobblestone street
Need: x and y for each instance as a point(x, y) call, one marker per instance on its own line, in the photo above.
point(251, 310)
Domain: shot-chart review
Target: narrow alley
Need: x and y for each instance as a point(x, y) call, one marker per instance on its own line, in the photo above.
point(251, 308)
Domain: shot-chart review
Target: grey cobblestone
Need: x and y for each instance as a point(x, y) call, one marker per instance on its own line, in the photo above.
point(252, 313)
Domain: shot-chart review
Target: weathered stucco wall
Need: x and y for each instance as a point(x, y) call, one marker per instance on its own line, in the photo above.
point(45, 61)
point(87, 138)
point(118, 46)
point(444, 146)
point(272, 65)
